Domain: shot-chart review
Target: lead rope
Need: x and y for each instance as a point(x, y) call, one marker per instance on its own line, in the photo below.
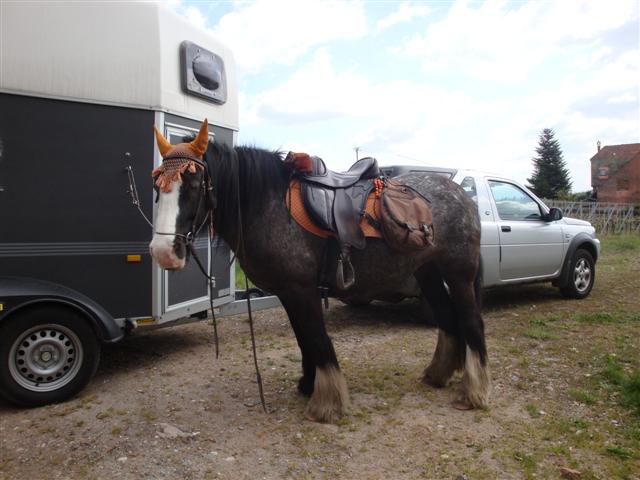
point(248, 297)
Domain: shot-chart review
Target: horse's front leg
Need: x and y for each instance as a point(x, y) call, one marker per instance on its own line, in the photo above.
point(321, 375)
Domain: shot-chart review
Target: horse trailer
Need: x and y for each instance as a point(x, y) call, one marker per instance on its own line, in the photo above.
point(81, 87)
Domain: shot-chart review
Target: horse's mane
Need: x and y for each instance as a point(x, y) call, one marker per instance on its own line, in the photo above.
point(258, 173)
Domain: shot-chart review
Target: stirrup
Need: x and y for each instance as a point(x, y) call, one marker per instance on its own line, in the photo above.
point(345, 282)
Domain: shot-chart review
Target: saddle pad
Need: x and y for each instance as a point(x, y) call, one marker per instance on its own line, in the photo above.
point(293, 199)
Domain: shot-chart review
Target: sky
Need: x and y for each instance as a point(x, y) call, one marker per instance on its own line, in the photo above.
point(465, 84)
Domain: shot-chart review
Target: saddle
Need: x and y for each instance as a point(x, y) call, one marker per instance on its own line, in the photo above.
point(336, 202)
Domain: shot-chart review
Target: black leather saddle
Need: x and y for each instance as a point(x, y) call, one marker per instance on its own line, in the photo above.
point(336, 201)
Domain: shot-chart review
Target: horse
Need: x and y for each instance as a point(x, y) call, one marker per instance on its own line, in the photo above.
point(241, 191)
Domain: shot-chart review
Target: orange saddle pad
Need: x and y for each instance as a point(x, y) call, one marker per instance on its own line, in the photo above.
point(293, 201)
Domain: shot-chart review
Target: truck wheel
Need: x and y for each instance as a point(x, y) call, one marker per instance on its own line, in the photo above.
point(582, 274)
point(47, 354)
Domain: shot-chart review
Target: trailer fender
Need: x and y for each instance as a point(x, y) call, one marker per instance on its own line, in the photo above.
point(19, 293)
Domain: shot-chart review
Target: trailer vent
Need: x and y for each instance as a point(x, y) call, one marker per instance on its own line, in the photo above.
point(202, 73)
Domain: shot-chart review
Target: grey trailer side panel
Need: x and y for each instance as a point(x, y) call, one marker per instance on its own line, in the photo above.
point(65, 215)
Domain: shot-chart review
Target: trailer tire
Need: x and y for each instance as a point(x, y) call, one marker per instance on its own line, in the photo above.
point(47, 355)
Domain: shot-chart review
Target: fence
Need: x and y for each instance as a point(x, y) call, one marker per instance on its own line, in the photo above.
point(605, 217)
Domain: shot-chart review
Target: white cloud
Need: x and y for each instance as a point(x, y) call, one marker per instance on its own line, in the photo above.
point(405, 13)
point(195, 16)
point(268, 32)
point(497, 41)
point(623, 98)
point(400, 120)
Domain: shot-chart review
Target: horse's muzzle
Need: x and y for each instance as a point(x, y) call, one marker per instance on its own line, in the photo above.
point(162, 250)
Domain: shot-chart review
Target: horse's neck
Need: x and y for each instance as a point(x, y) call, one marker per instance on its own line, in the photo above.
point(238, 221)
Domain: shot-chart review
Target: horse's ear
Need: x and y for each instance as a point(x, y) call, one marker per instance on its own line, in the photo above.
point(199, 144)
point(163, 144)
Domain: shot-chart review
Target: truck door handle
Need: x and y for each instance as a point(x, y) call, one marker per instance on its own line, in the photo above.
point(505, 228)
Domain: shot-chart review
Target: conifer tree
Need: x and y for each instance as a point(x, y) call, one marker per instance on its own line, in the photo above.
point(550, 177)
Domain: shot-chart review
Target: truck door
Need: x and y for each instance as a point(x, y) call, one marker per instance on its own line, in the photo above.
point(530, 247)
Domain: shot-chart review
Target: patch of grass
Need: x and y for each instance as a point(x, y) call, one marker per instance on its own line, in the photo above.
point(547, 318)
point(631, 392)
point(527, 462)
point(240, 276)
point(533, 410)
point(619, 452)
point(537, 333)
point(148, 415)
point(115, 431)
point(612, 371)
point(628, 386)
point(598, 317)
point(621, 243)
point(582, 396)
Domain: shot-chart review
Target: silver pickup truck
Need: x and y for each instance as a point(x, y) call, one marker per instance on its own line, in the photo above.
point(523, 240)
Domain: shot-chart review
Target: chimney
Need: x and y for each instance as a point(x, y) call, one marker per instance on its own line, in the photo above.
point(598, 145)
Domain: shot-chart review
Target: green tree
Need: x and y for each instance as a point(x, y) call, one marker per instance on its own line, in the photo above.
point(550, 177)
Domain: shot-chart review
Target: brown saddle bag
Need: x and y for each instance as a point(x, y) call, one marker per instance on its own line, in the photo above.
point(406, 220)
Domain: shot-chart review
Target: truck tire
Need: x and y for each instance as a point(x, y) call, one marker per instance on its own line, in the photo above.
point(47, 355)
point(582, 275)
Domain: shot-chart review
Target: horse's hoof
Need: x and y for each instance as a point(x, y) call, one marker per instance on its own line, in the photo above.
point(311, 418)
point(305, 387)
point(434, 381)
point(462, 405)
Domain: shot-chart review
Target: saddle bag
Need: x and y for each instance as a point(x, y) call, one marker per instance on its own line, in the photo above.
point(405, 220)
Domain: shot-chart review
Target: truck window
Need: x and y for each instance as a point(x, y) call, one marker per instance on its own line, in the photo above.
point(513, 203)
point(469, 186)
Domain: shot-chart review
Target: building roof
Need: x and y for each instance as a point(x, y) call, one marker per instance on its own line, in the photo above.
point(616, 155)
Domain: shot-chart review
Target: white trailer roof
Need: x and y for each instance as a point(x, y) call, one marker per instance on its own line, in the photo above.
point(112, 53)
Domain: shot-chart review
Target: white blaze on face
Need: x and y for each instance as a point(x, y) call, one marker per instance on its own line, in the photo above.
point(161, 246)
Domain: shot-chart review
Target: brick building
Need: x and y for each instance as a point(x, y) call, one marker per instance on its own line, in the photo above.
point(615, 173)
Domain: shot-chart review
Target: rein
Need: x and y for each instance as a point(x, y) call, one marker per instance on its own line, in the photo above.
point(179, 163)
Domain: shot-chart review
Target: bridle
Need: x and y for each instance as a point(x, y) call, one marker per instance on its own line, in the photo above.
point(179, 162)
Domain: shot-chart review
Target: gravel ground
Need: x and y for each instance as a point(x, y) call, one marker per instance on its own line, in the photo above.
point(162, 406)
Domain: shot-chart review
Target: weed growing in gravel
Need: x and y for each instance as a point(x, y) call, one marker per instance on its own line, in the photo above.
point(627, 386)
point(533, 411)
point(527, 462)
point(537, 333)
point(582, 396)
point(619, 452)
point(598, 317)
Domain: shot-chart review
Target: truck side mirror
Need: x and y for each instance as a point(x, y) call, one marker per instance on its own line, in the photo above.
point(554, 214)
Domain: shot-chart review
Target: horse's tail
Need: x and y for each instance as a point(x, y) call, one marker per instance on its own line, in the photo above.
point(477, 285)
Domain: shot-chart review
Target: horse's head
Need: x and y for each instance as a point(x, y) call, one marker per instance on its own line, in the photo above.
point(183, 187)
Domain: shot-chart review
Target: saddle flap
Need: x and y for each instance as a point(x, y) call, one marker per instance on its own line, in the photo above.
point(346, 209)
point(318, 202)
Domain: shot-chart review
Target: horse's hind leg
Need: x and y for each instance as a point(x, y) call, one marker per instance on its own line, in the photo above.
point(322, 378)
point(476, 382)
point(449, 354)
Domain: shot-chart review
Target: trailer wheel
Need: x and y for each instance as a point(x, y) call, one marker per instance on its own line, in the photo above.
point(47, 354)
